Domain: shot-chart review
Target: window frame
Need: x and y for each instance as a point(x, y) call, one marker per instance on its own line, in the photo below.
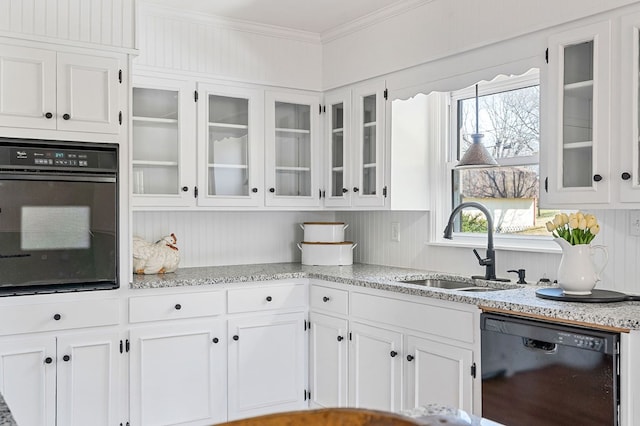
point(448, 156)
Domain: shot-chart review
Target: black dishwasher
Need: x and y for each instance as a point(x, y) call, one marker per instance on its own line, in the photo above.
point(541, 373)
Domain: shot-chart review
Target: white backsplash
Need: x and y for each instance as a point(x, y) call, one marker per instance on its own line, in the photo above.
point(231, 238)
point(210, 238)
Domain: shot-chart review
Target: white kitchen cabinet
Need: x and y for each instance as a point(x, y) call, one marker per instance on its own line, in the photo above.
point(178, 373)
point(369, 120)
point(71, 379)
point(375, 367)
point(266, 367)
point(338, 147)
point(231, 146)
point(292, 151)
point(45, 89)
point(629, 172)
point(328, 368)
point(163, 142)
point(578, 114)
point(437, 373)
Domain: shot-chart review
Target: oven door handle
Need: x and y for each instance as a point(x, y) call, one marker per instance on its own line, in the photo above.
point(60, 177)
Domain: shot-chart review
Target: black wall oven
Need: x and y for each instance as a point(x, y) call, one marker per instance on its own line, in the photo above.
point(58, 216)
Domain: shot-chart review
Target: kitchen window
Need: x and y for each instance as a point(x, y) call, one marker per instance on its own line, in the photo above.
point(509, 119)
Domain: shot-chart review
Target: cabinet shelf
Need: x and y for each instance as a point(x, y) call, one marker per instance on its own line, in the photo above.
point(301, 131)
point(155, 120)
point(580, 89)
point(337, 169)
point(370, 124)
point(155, 163)
point(293, 169)
point(369, 165)
point(228, 125)
point(578, 145)
point(228, 166)
point(337, 131)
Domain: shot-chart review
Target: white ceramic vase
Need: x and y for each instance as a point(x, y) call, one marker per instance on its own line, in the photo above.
point(577, 273)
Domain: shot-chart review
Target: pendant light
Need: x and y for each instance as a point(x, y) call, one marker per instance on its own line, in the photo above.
point(477, 155)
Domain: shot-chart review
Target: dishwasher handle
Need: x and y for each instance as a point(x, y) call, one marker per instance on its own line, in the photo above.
point(539, 345)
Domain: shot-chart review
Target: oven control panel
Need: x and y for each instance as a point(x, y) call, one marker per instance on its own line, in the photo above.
point(69, 158)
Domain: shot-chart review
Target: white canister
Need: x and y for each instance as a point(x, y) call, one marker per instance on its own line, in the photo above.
point(327, 254)
point(323, 232)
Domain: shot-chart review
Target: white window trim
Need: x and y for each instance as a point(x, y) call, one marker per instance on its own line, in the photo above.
point(445, 160)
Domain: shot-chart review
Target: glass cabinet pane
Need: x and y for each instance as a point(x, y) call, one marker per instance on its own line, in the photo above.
point(293, 149)
point(155, 141)
point(577, 115)
point(636, 175)
point(369, 145)
point(228, 146)
point(337, 149)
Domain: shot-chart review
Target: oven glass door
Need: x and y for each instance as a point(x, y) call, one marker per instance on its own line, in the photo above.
point(57, 233)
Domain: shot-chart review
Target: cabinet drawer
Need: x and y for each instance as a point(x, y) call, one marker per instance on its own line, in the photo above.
point(329, 299)
point(17, 319)
point(267, 298)
point(441, 321)
point(175, 306)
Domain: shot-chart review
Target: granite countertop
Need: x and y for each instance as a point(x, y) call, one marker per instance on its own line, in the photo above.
point(6, 418)
point(517, 298)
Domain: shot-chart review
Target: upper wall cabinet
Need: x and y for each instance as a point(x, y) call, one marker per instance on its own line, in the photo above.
point(230, 146)
point(369, 135)
point(629, 172)
point(354, 146)
point(163, 143)
point(578, 115)
point(292, 157)
point(338, 147)
point(44, 89)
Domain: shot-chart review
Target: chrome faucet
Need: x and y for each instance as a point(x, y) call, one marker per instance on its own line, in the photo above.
point(489, 262)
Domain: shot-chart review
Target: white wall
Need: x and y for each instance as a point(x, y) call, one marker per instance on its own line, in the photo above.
point(442, 28)
point(195, 43)
point(209, 238)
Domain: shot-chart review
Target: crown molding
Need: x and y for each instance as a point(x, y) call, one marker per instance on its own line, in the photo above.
point(147, 9)
point(371, 19)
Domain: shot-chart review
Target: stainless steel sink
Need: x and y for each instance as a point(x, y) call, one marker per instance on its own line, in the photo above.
point(450, 285)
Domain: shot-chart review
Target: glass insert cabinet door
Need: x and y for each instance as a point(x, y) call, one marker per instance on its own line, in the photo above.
point(337, 148)
point(369, 124)
point(228, 131)
point(292, 123)
point(163, 133)
point(579, 73)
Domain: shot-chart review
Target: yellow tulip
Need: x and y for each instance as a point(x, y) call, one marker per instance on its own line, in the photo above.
point(565, 218)
point(573, 222)
point(550, 226)
point(582, 223)
point(591, 220)
point(557, 221)
point(595, 229)
point(580, 216)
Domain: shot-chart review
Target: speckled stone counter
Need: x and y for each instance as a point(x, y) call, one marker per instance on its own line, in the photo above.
point(513, 298)
point(6, 419)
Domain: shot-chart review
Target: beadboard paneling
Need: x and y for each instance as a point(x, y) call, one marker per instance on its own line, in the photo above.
point(372, 232)
point(229, 238)
point(176, 40)
point(102, 22)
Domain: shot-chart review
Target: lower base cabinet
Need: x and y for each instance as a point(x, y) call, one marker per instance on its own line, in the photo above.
point(266, 364)
point(328, 360)
point(178, 373)
point(69, 379)
point(437, 373)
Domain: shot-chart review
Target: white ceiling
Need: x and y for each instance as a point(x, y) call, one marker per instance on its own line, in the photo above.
point(316, 16)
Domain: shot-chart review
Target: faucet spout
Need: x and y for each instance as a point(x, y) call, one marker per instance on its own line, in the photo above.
point(489, 262)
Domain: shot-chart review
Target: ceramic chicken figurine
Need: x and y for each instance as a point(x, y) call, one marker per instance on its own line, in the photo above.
point(155, 258)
